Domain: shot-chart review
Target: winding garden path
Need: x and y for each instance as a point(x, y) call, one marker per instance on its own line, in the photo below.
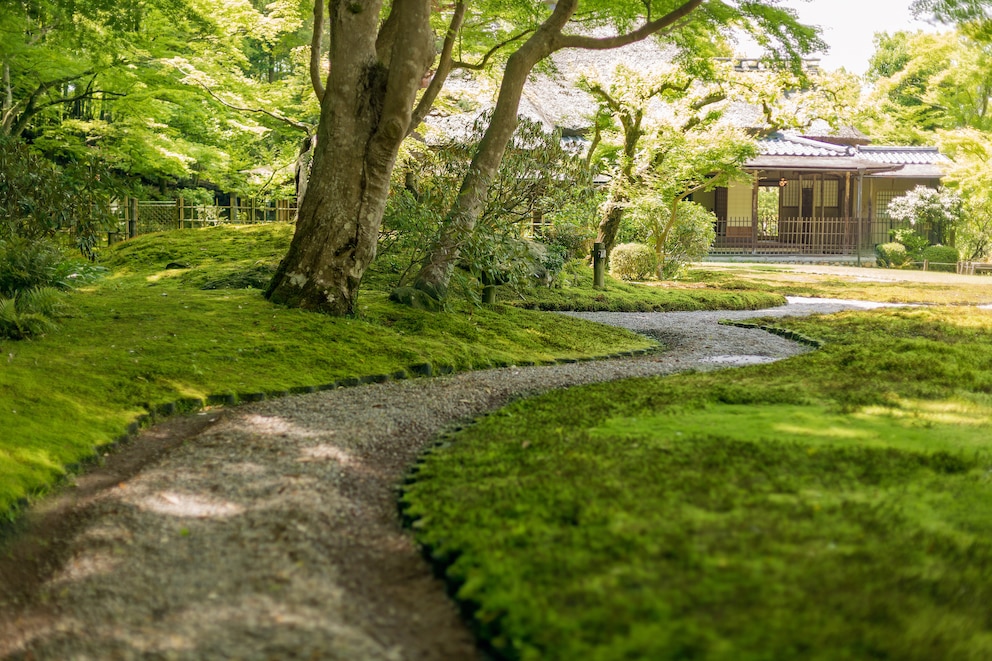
point(270, 531)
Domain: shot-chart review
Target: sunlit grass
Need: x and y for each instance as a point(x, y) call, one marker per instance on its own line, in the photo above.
point(834, 505)
point(148, 336)
point(864, 284)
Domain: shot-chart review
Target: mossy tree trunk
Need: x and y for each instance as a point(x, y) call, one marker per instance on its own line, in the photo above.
point(366, 110)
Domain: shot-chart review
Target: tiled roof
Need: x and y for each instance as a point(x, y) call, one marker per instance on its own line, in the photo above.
point(904, 155)
point(780, 144)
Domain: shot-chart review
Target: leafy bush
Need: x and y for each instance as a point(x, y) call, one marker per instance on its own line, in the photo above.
point(914, 242)
point(632, 261)
point(932, 213)
point(891, 255)
point(38, 199)
point(27, 263)
point(537, 176)
point(941, 258)
point(30, 312)
point(688, 240)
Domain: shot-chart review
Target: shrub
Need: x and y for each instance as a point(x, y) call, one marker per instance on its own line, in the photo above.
point(891, 255)
point(941, 258)
point(689, 239)
point(933, 213)
point(914, 242)
point(38, 199)
point(632, 261)
point(30, 312)
point(27, 263)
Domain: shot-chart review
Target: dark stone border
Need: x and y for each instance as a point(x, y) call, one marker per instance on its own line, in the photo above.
point(162, 410)
point(777, 330)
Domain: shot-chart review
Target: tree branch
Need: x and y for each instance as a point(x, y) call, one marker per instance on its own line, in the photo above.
point(315, 41)
point(646, 30)
point(444, 66)
point(492, 51)
point(291, 122)
point(15, 120)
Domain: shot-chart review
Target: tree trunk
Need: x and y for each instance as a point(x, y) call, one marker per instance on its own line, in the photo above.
point(610, 223)
point(435, 274)
point(364, 116)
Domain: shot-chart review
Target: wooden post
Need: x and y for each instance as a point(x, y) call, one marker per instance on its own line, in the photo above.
point(233, 216)
point(179, 212)
point(132, 221)
point(754, 213)
point(598, 265)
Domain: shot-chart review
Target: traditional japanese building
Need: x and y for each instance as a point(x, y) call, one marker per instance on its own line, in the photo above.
point(818, 194)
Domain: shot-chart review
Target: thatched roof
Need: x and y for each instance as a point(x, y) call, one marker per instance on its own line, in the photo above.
point(550, 97)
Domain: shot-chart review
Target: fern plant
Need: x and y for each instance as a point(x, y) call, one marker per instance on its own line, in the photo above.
point(31, 312)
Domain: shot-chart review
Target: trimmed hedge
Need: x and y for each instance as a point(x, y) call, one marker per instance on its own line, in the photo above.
point(891, 255)
point(941, 258)
point(632, 261)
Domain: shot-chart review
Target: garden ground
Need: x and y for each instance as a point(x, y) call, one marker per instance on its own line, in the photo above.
point(272, 531)
point(243, 517)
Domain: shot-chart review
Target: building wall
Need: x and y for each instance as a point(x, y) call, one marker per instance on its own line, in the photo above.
point(705, 198)
point(739, 202)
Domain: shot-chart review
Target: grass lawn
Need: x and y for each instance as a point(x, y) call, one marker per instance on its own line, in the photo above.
point(147, 337)
point(577, 294)
point(864, 284)
point(837, 505)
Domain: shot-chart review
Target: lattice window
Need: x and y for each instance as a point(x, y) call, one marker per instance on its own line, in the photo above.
point(790, 194)
point(882, 199)
point(828, 193)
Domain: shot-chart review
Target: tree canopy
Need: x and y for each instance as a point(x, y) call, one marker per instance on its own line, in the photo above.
point(152, 87)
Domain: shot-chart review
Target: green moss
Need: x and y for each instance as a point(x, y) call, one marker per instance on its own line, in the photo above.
point(149, 335)
point(617, 296)
point(834, 505)
point(867, 285)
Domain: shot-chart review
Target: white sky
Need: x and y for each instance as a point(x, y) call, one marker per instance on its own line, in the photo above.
point(848, 27)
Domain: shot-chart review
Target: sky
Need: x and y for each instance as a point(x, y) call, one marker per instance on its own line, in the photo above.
point(849, 25)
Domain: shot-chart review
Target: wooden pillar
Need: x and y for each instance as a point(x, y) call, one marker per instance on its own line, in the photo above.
point(179, 212)
point(820, 227)
point(846, 206)
point(754, 212)
point(132, 221)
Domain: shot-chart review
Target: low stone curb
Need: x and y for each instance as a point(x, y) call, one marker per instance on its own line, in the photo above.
point(776, 330)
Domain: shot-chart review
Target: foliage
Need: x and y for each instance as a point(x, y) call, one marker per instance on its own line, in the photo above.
point(941, 258)
point(971, 177)
point(891, 255)
point(152, 88)
point(30, 312)
point(537, 177)
point(733, 515)
point(913, 242)
point(686, 239)
point(38, 199)
point(28, 263)
point(632, 261)
point(933, 214)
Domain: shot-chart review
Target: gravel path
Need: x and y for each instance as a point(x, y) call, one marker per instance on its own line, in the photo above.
point(271, 532)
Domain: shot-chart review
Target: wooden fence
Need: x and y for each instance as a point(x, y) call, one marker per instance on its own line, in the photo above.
point(143, 216)
point(792, 236)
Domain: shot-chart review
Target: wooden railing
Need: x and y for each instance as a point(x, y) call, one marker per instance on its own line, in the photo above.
point(143, 216)
point(794, 236)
